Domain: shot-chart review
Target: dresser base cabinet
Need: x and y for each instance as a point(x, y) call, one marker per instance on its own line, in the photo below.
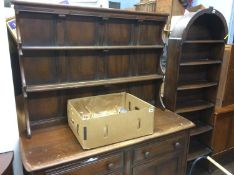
point(56, 151)
point(163, 156)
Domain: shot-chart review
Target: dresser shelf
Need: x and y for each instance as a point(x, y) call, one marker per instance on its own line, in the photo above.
point(60, 86)
point(82, 48)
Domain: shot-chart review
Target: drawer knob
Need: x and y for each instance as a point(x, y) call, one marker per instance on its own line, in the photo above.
point(147, 154)
point(177, 145)
point(110, 166)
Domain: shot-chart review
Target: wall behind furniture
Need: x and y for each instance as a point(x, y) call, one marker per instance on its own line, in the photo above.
point(225, 7)
point(89, 3)
point(9, 136)
point(126, 3)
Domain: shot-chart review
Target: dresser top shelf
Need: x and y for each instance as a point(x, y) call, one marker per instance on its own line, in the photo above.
point(92, 47)
point(92, 10)
point(56, 145)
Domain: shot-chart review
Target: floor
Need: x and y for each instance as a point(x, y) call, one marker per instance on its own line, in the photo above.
point(228, 163)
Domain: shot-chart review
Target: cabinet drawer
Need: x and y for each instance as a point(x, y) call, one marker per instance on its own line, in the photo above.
point(91, 166)
point(151, 150)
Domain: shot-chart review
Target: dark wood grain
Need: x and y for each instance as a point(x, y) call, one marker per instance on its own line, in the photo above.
point(197, 150)
point(166, 165)
point(81, 66)
point(223, 135)
point(91, 166)
point(148, 152)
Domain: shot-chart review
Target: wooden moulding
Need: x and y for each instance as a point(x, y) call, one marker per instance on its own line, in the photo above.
point(91, 47)
point(23, 5)
point(225, 95)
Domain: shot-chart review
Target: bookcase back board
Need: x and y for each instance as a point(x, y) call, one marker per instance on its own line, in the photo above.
point(70, 52)
point(195, 53)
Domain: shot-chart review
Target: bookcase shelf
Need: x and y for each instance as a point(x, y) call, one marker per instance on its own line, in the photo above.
point(196, 85)
point(193, 106)
point(197, 149)
point(200, 128)
point(203, 41)
point(200, 62)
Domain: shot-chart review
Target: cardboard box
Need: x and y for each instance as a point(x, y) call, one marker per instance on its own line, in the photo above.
point(101, 120)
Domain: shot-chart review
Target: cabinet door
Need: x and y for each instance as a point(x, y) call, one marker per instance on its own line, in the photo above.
point(223, 134)
point(170, 164)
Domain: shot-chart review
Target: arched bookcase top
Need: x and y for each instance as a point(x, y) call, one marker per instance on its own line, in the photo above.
point(207, 24)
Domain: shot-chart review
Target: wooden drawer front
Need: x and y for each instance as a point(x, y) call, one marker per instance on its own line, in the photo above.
point(154, 149)
point(168, 164)
point(91, 166)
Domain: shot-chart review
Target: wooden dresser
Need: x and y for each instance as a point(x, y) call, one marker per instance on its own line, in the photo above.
point(69, 52)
